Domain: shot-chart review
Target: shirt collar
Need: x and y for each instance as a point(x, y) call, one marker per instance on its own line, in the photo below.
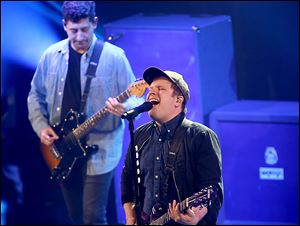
point(168, 129)
point(65, 47)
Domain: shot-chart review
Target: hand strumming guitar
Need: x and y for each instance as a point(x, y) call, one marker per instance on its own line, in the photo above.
point(48, 136)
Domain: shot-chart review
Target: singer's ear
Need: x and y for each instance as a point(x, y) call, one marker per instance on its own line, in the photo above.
point(179, 99)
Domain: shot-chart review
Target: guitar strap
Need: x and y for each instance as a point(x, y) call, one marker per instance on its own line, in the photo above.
point(91, 71)
point(174, 147)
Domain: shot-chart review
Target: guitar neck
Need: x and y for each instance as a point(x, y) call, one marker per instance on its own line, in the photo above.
point(165, 218)
point(88, 124)
point(203, 198)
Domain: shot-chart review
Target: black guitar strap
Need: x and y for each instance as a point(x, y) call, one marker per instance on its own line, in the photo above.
point(177, 141)
point(90, 72)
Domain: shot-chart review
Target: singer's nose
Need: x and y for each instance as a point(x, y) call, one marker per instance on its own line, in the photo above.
point(151, 91)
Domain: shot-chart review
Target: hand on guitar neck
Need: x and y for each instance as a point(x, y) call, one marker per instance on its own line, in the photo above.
point(48, 136)
point(115, 107)
point(190, 211)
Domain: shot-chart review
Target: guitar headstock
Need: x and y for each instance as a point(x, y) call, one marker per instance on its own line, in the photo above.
point(202, 198)
point(137, 88)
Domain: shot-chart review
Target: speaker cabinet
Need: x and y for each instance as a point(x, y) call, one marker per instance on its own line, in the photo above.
point(260, 152)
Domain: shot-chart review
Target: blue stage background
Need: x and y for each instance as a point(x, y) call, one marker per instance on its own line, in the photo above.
point(264, 67)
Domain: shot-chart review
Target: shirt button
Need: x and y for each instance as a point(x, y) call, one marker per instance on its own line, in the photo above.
point(58, 109)
point(62, 79)
point(169, 131)
point(156, 177)
point(59, 93)
point(156, 195)
point(159, 139)
point(157, 158)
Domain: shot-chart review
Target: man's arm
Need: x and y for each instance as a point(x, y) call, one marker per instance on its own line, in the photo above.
point(209, 171)
point(125, 77)
point(36, 101)
point(127, 190)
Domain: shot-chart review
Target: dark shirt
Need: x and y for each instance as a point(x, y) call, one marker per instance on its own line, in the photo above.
point(153, 160)
point(72, 89)
point(197, 165)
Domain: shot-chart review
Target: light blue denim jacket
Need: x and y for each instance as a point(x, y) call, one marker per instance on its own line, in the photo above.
point(113, 76)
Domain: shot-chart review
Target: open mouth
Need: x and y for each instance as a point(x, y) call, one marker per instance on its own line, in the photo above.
point(154, 102)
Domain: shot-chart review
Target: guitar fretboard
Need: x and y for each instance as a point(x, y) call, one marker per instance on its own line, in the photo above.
point(202, 198)
point(85, 127)
point(166, 217)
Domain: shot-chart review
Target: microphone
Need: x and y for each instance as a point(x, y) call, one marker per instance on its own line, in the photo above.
point(146, 106)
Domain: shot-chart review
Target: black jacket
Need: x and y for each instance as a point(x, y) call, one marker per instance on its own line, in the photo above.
point(198, 165)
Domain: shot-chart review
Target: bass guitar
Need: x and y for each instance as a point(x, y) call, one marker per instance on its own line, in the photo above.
point(71, 145)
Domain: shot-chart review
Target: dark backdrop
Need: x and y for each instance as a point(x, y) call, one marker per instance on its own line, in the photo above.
point(266, 41)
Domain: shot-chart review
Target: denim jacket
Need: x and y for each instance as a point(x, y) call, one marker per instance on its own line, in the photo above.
point(113, 76)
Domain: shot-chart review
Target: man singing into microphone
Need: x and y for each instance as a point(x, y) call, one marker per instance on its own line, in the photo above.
point(178, 158)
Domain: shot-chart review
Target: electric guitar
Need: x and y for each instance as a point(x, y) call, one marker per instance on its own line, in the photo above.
point(202, 198)
point(71, 145)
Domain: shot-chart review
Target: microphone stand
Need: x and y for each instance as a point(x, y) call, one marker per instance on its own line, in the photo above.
point(136, 171)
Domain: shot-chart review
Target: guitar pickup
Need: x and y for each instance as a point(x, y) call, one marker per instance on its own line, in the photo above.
point(55, 153)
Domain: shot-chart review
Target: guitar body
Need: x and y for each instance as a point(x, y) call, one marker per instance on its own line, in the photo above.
point(67, 149)
point(49, 158)
point(157, 211)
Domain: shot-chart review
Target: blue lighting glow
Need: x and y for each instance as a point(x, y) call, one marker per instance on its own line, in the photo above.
point(3, 212)
point(26, 31)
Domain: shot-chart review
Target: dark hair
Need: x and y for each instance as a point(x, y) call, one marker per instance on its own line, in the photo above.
point(77, 10)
